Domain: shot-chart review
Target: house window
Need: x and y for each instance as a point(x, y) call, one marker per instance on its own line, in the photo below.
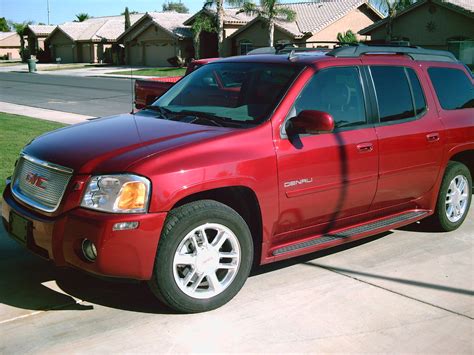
point(245, 46)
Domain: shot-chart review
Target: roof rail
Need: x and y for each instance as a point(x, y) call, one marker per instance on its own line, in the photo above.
point(415, 53)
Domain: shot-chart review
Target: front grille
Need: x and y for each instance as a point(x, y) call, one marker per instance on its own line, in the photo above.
point(40, 184)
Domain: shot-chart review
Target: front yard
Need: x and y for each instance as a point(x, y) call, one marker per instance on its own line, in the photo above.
point(158, 72)
point(15, 132)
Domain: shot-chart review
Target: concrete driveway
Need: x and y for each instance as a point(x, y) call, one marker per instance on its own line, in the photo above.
point(404, 291)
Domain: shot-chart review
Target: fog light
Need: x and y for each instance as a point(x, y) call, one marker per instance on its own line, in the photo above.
point(89, 250)
point(123, 226)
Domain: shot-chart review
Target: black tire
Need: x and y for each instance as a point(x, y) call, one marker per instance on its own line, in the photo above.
point(178, 224)
point(440, 218)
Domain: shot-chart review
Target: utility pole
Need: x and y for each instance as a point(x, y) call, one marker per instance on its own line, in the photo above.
point(47, 5)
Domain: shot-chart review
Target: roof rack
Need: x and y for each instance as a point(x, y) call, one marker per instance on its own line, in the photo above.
point(286, 48)
point(415, 53)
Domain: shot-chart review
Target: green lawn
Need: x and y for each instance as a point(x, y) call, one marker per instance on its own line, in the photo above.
point(15, 132)
point(158, 72)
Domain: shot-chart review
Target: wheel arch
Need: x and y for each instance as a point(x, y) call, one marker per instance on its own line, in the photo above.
point(465, 157)
point(244, 201)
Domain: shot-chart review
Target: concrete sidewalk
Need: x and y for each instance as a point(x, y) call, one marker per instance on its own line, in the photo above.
point(43, 114)
point(89, 71)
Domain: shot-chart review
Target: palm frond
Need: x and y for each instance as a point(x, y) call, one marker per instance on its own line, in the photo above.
point(285, 13)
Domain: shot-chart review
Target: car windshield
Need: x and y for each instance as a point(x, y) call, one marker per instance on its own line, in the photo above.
point(227, 94)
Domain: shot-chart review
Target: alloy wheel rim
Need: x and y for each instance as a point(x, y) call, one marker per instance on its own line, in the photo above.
point(206, 261)
point(457, 198)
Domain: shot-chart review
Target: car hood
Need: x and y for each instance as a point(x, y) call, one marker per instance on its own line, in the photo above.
point(114, 143)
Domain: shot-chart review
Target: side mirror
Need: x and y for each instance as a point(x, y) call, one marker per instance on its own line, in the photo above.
point(310, 122)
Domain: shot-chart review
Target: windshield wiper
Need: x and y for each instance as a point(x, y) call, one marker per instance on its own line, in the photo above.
point(209, 117)
point(161, 110)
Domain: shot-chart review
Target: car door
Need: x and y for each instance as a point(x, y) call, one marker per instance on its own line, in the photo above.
point(410, 137)
point(326, 178)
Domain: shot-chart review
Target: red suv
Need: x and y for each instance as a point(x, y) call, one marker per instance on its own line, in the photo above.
point(251, 159)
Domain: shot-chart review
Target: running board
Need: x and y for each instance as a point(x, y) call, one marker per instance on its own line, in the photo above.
point(351, 232)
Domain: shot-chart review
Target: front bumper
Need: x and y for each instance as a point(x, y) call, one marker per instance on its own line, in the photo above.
point(126, 254)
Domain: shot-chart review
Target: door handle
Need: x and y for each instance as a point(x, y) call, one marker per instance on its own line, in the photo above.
point(365, 147)
point(432, 137)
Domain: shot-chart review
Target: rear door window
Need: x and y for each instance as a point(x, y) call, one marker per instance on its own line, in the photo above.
point(453, 88)
point(399, 93)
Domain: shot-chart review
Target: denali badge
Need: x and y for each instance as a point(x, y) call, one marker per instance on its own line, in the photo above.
point(298, 182)
point(36, 180)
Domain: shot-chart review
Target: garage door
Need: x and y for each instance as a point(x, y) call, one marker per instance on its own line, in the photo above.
point(135, 55)
point(156, 55)
point(86, 53)
point(64, 52)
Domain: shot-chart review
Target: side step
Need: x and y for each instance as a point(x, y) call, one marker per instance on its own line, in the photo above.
point(351, 232)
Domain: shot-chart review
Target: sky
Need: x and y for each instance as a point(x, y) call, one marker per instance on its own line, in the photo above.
point(65, 10)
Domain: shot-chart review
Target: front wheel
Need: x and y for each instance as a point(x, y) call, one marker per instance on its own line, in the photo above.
point(454, 197)
point(204, 257)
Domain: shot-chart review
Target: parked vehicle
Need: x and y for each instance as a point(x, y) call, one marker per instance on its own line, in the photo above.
point(148, 90)
point(251, 160)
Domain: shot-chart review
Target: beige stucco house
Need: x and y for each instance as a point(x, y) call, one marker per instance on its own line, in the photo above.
point(36, 35)
point(156, 37)
point(89, 41)
point(315, 21)
point(10, 45)
point(436, 24)
point(233, 21)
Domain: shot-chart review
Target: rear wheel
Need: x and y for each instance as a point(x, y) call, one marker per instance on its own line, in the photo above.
point(454, 197)
point(203, 258)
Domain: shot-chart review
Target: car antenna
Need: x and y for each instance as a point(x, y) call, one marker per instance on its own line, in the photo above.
point(132, 91)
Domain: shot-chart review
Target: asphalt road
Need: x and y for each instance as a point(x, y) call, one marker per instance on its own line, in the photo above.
point(82, 95)
point(406, 291)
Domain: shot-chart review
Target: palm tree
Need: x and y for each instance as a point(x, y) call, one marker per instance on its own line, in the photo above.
point(202, 23)
point(270, 11)
point(219, 4)
point(392, 8)
point(82, 17)
point(347, 37)
point(20, 29)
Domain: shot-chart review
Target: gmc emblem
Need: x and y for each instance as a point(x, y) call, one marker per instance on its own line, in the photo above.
point(36, 180)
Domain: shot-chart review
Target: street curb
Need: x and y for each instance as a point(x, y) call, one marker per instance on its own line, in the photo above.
point(43, 114)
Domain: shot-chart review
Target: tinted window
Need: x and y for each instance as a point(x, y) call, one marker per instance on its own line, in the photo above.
point(453, 88)
point(418, 97)
point(393, 93)
point(242, 93)
point(337, 91)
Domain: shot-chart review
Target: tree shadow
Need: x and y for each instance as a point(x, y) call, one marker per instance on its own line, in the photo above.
point(349, 272)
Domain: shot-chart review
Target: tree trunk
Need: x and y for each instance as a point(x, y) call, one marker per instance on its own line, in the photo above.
point(220, 26)
point(271, 30)
point(197, 44)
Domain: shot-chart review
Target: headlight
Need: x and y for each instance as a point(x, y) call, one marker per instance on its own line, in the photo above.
point(117, 194)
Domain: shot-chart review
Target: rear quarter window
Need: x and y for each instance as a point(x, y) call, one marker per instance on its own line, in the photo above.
point(453, 88)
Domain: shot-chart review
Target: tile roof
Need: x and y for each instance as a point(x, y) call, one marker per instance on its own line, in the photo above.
point(41, 30)
point(173, 22)
point(464, 6)
point(231, 16)
point(5, 35)
point(98, 28)
point(312, 17)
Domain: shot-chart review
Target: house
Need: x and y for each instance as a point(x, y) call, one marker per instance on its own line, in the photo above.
point(156, 37)
point(89, 41)
point(435, 24)
point(315, 21)
point(10, 45)
point(36, 35)
point(233, 21)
